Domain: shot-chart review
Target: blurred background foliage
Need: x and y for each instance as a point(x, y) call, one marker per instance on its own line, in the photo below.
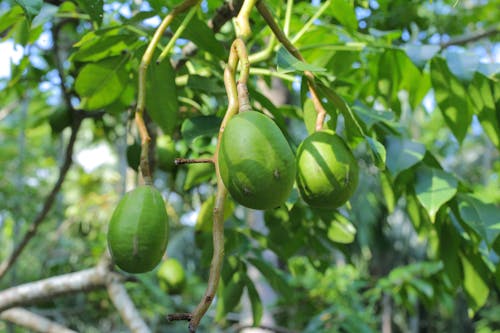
point(415, 250)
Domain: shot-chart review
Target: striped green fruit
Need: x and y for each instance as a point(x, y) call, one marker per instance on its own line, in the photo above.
point(327, 170)
point(138, 230)
point(255, 161)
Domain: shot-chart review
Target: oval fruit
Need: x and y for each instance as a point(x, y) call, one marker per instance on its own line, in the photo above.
point(165, 153)
point(255, 161)
point(171, 276)
point(327, 170)
point(138, 230)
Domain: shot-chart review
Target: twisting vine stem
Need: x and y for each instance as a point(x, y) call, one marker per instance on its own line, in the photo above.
point(241, 22)
point(141, 98)
point(268, 17)
point(237, 53)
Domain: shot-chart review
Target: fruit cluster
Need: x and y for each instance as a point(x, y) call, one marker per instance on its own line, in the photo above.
point(256, 165)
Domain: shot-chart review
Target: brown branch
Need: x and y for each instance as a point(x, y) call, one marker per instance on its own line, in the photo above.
point(462, 40)
point(49, 200)
point(275, 329)
point(125, 306)
point(179, 161)
point(179, 316)
point(33, 321)
point(32, 292)
point(222, 15)
point(280, 35)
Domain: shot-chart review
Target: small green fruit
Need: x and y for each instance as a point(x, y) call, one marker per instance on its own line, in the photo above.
point(256, 163)
point(165, 153)
point(171, 276)
point(134, 155)
point(59, 120)
point(138, 230)
point(327, 170)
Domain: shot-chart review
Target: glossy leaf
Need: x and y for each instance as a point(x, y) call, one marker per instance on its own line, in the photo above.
point(195, 127)
point(475, 283)
point(451, 98)
point(31, 8)
point(161, 96)
point(273, 277)
point(486, 105)
point(288, 63)
point(94, 8)
point(378, 152)
point(343, 11)
point(255, 302)
point(230, 295)
point(483, 218)
point(433, 188)
point(100, 84)
point(403, 154)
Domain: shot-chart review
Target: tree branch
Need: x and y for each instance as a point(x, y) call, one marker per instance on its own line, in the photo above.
point(33, 321)
point(280, 35)
point(462, 40)
point(49, 201)
point(29, 293)
point(125, 306)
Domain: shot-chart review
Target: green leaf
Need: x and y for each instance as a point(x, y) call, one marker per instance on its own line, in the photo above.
point(353, 127)
point(343, 11)
point(31, 8)
point(273, 276)
point(161, 96)
point(371, 117)
point(434, 187)
point(486, 105)
point(341, 230)
point(310, 116)
point(451, 98)
point(197, 174)
point(474, 283)
point(378, 152)
point(387, 190)
point(100, 84)
point(100, 47)
point(209, 85)
point(483, 218)
point(205, 215)
point(402, 154)
point(449, 243)
point(94, 8)
point(195, 127)
point(230, 295)
point(255, 302)
point(199, 33)
point(288, 63)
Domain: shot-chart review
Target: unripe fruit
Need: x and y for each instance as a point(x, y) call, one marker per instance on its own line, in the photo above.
point(255, 161)
point(59, 120)
point(138, 230)
point(171, 276)
point(165, 153)
point(134, 155)
point(327, 170)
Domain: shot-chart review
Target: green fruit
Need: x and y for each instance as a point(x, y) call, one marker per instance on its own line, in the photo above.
point(327, 170)
point(59, 120)
point(138, 230)
point(171, 276)
point(134, 155)
point(256, 163)
point(165, 153)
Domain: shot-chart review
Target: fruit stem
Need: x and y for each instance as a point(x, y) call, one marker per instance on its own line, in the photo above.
point(179, 161)
point(220, 197)
point(141, 98)
point(241, 22)
point(283, 39)
point(242, 90)
point(177, 34)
